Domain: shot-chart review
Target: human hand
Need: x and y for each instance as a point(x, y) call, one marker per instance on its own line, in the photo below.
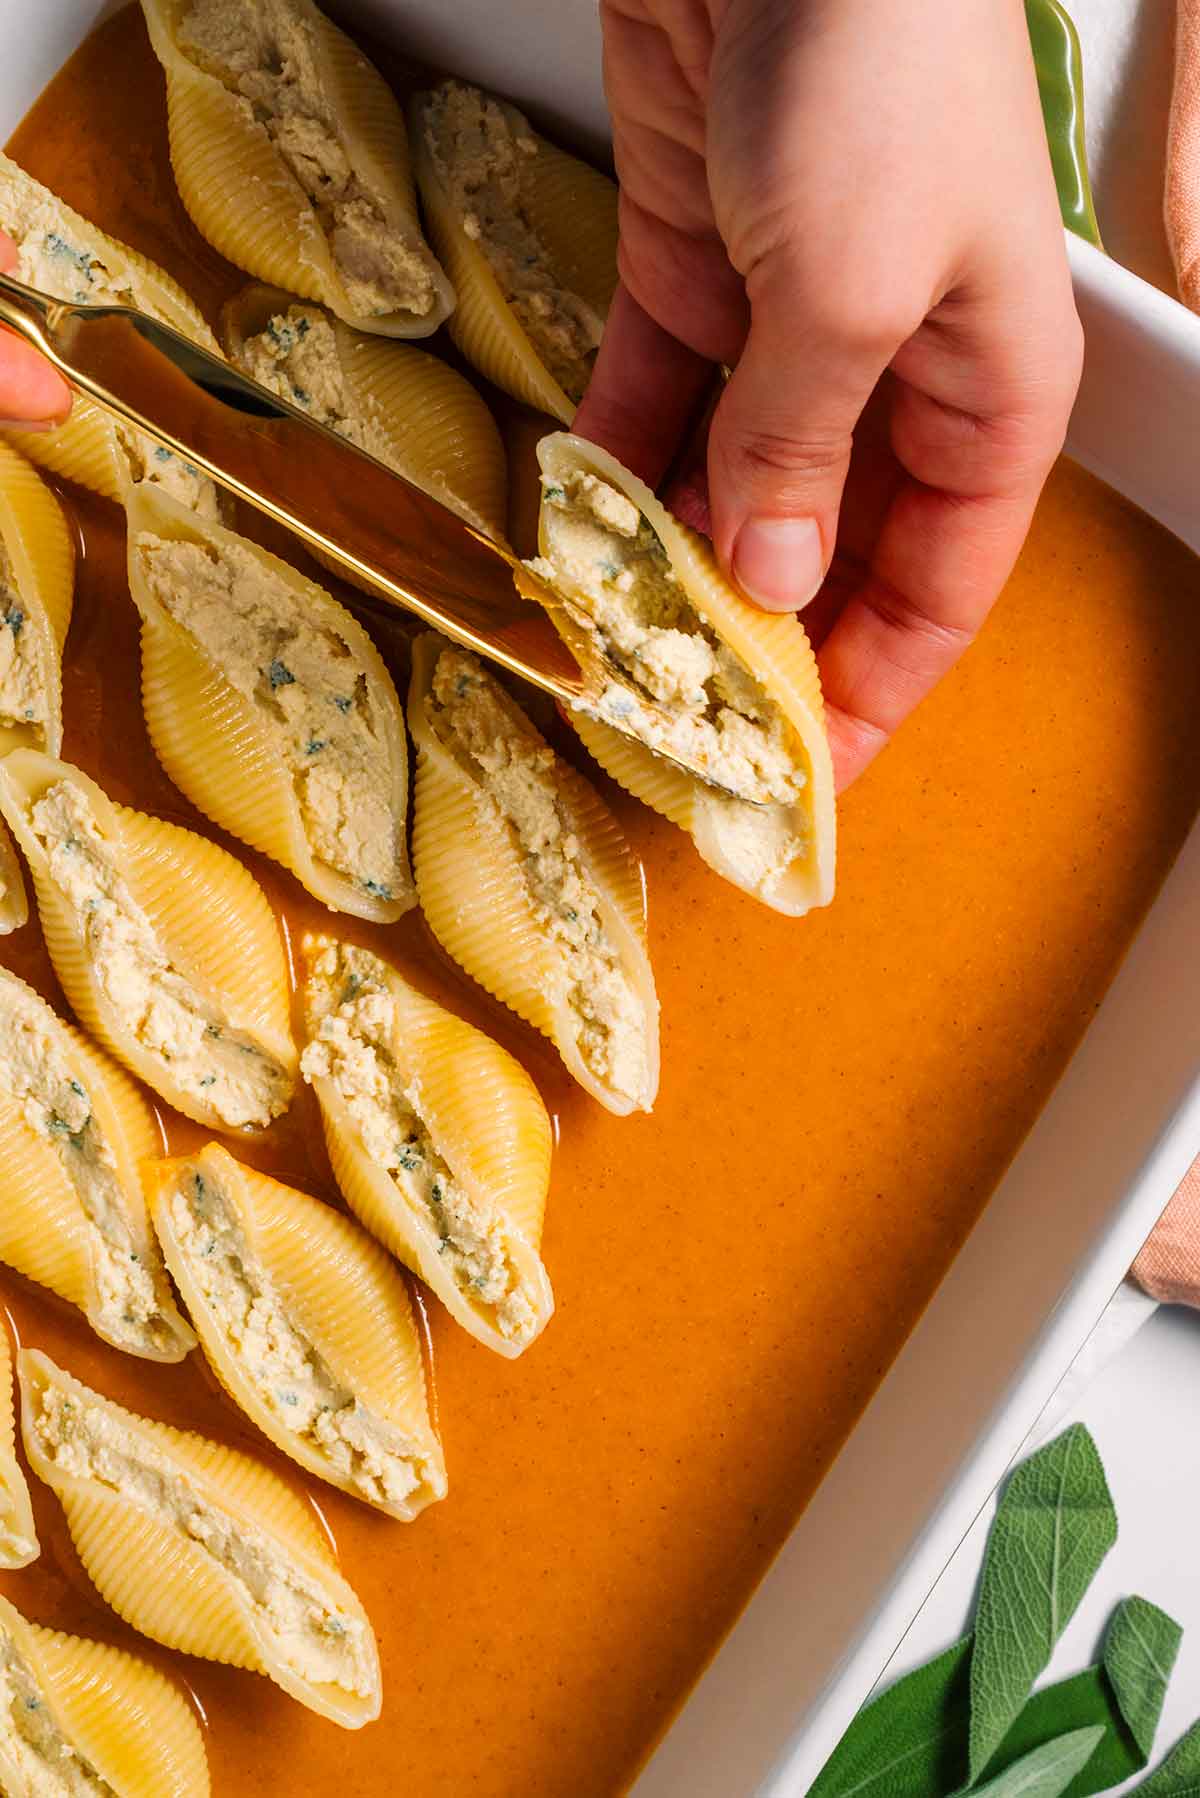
point(849, 202)
point(33, 395)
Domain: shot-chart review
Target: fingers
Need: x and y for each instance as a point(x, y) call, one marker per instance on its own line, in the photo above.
point(781, 436)
point(33, 396)
point(644, 391)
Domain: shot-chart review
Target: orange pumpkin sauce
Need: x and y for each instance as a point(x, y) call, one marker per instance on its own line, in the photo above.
point(735, 1273)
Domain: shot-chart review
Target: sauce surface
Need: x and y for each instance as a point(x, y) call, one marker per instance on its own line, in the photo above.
point(734, 1274)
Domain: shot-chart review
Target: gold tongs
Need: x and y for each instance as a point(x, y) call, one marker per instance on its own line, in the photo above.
point(386, 533)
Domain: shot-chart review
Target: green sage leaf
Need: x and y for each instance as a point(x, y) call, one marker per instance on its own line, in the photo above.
point(1055, 1525)
point(1179, 1774)
point(1048, 1771)
point(910, 1741)
point(1140, 1649)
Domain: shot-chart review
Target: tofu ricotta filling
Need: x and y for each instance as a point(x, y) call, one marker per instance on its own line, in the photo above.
point(23, 684)
point(265, 52)
point(47, 1764)
point(309, 690)
point(514, 769)
point(291, 1378)
point(353, 1033)
point(296, 356)
point(130, 1284)
point(199, 1049)
point(607, 561)
point(484, 154)
point(49, 259)
point(313, 1636)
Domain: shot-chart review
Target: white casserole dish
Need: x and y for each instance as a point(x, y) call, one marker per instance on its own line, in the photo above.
point(1103, 1159)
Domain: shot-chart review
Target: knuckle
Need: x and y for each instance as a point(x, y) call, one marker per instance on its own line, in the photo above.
point(784, 456)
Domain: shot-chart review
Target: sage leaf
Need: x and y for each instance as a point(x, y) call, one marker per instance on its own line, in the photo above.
point(1048, 1771)
point(1054, 1526)
point(1086, 1701)
point(1179, 1774)
point(1139, 1657)
point(910, 1741)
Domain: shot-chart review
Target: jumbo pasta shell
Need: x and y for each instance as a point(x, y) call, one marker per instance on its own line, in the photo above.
point(166, 1524)
point(475, 892)
point(247, 198)
point(63, 254)
point(123, 898)
point(406, 407)
point(110, 1715)
point(73, 1131)
point(307, 1324)
point(18, 1532)
point(14, 906)
point(570, 213)
point(303, 765)
point(462, 1202)
point(37, 581)
point(783, 854)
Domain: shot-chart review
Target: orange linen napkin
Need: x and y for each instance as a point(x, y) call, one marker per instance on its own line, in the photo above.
point(1168, 1267)
point(1181, 204)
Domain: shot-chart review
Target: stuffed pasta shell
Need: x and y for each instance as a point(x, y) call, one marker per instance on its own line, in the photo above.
point(527, 234)
point(526, 878)
point(18, 1533)
point(306, 1322)
point(82, 1718)
point(62, 254)
point(697, 670)
point(269, 706)
point(290, 154)
point(14, 906)
point(73, 1131)
point(437, 1137)
point(165, 946)
point(200, 1547)
point(402, 405)
point(37, 579)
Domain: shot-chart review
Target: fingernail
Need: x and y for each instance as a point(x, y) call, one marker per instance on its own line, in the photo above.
point(779, 562)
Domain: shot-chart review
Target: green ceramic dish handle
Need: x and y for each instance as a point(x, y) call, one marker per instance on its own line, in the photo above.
point(1059, 67)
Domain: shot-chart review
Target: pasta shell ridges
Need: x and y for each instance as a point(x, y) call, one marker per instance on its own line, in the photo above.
point(14, 905)
point(214, 743)
point(41, 555)
point(132, 1724)
point(440, 432)
point(656, 782)
point(163, 1581)
point(217, 150)
point(340, 1288)
point(483, 324)
point(83, 450)
point(18, 1532)
point(573, 209)
point(776, 650)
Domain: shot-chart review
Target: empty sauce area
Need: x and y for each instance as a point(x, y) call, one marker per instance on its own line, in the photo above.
point(197, 1044)
point(267, 53)
point(305, 683)
point(484, 154)
point(516, 771)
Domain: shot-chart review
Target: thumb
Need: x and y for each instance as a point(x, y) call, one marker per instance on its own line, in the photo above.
point(779, 446)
